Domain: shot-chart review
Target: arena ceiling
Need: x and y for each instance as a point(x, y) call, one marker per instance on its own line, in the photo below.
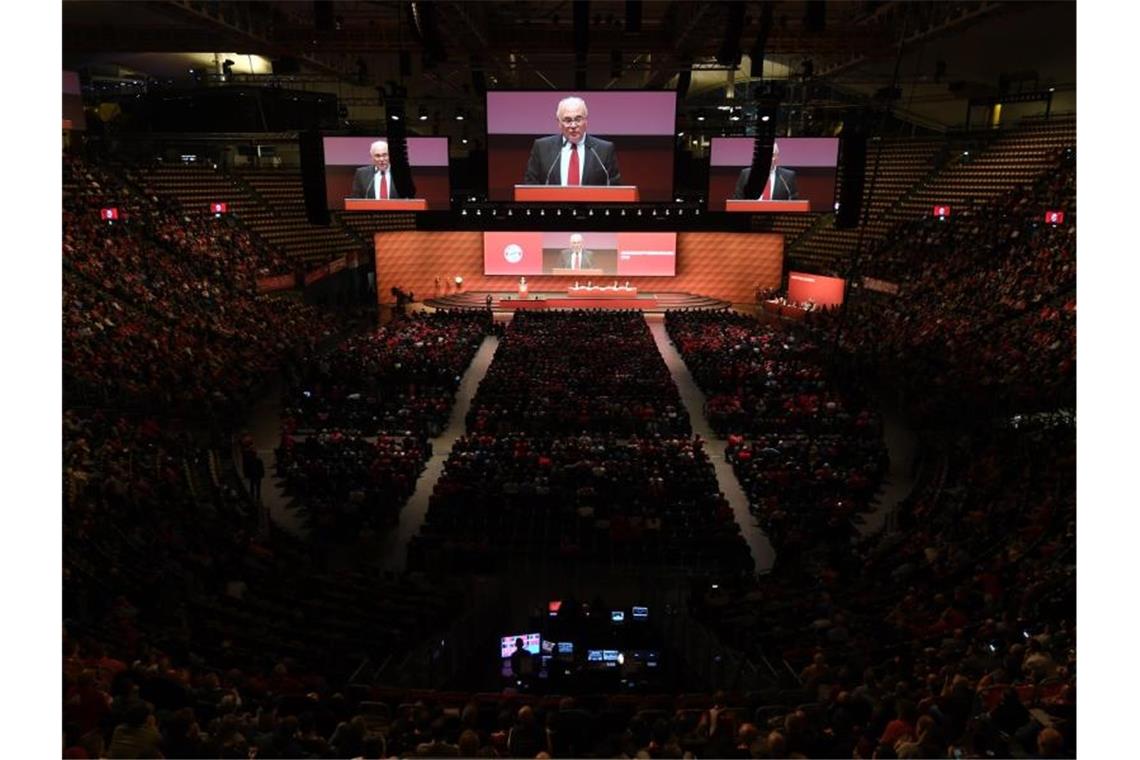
point(449, 51)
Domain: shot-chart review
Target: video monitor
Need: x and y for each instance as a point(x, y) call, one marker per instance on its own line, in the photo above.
point(595, 655)
point(801, 177)
point(547, 647)
point(617, 616)
point(358, 177)
point(565, 647)
point(626, 140)
point(640, 613)
point(532, 642)
point(582, 255)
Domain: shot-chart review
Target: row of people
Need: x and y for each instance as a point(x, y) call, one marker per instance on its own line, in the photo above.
point(569, 372)
point(651, 501)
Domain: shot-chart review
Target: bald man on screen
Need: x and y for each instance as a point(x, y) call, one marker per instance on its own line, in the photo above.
point(572, 157)
point(375, 181)
point(576, 256)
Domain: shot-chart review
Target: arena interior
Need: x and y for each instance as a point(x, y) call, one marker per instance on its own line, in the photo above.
point(738, 421)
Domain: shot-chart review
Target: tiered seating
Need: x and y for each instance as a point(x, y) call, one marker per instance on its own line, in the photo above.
point(367, 223)
point(903, 164)
point(1014, 159)
point(282, 220)
point(986, 319)
point(976, 590)
point(161, 308)
point(238, 598)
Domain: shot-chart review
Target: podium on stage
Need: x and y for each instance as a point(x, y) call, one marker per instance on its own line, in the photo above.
point(567, 272)
point(577, 193)
point(388, 204)
point(766, 207)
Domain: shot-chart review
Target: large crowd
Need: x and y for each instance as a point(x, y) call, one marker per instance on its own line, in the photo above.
point(194, 629)
point(956, 632)
point(358, 419)
point(985, 320)
point(578, 448)
point(809, 455)
point(564, 373)
point(160, 308)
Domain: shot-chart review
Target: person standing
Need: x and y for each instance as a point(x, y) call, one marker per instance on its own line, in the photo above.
point(375, 181)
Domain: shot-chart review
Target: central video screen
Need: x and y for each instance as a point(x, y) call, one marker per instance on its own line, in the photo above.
point(626, 140)
point(580, 254)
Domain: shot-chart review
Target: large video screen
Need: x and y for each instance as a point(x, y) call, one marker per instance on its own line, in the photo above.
point(581, 254)
point(626, 139)
point(73, 115)
point(352, 172)
point(803, 169)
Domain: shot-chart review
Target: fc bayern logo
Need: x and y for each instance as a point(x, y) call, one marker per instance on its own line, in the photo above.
point(513, 253)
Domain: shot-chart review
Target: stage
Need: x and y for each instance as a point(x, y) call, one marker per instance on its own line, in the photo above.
point(509, 302)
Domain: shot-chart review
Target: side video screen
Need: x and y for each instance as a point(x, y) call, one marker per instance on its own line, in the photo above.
point(359, 167)
point(608, 138)
point(802, 169)
point(581, 254)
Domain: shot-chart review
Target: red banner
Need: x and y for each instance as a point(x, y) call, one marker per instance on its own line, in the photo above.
point(275, 282)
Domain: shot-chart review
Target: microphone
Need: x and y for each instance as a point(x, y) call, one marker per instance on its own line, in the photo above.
point(602, 164)
point(557, 158)
point(371, 184)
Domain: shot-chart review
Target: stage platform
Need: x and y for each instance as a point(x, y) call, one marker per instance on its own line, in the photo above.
point(504, 302)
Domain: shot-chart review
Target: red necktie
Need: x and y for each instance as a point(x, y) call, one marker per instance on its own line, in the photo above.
point(767, 194)
point(383, 188)
point(572, 174)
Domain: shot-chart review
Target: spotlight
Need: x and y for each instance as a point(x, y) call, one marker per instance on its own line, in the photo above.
point(423, 114)
point(765, 118)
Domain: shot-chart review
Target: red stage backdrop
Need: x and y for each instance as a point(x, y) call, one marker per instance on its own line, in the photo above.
point(725, 265)
point(825, 291)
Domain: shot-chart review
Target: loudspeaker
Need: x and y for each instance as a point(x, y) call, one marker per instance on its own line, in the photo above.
point(313, 177)
point(396, 120)
point(761, 157)
point(852, 172)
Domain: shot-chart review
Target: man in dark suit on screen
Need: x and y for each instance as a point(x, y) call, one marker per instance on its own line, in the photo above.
point(572, 157)
point(375, 181)
point(779, 186)
point(576, 257)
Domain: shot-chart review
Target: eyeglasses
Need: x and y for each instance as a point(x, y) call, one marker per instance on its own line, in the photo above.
point(572, 120)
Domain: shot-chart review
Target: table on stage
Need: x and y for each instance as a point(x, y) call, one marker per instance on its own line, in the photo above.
point(607, 291)
point(790, 311)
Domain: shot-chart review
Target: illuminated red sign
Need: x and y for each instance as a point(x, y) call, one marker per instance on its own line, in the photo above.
point(942, 211)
